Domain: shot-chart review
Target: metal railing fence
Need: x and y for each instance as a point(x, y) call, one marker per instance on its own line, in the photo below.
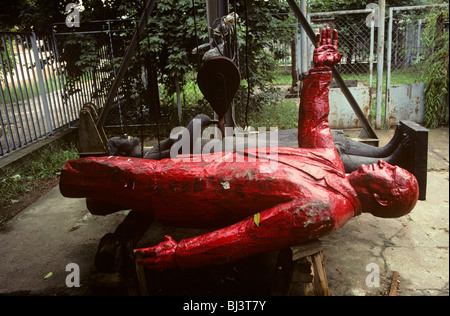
point(45, 81)
point(32, 84)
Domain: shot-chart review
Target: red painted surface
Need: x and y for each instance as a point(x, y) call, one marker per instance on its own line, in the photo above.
point(305, 197)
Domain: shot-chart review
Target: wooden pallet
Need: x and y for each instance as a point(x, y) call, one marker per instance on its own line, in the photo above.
point(300, 271)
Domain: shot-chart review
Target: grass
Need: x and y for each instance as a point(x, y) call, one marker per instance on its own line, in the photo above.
point(32, 88)
point(17, 182)
point(402, 76)
point(52, 83)
point(283, 114)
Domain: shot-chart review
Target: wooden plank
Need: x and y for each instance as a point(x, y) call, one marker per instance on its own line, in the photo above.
point(140, 273)
point(300, 271)
point(321, 276)
point(91, 141)
point(394, 284)
point(302, 282)
point(306, 249)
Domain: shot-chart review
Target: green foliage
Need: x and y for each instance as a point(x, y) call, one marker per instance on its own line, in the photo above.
point(173, 31)
point(50, 161)
point(268, 26)
point(37, 15)
point(7, 58)
point(281, 114)
point(171, 37)
point(434, 65)
point(47, 165)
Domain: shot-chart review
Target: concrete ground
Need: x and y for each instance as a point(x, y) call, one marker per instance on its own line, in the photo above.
point(38, 245)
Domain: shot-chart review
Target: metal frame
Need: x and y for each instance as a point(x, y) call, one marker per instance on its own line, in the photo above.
point(389, 45)
point(369, 132)
point(150, 5)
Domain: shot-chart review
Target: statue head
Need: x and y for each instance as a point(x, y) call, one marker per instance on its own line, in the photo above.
point(385, 190)
point(122, 145)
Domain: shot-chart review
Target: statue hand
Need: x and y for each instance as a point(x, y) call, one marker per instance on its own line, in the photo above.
point(159, 257)
point(326, 53)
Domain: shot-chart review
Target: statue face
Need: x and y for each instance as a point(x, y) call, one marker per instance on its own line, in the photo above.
point(385, 190)
point(379, 173)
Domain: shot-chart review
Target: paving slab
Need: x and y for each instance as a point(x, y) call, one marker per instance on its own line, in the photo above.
point(416, 246)
point(45, 238)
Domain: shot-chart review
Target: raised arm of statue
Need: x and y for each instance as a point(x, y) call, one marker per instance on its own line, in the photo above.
point(313, 126)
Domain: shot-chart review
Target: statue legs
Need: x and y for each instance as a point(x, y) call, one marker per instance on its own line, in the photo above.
point(352, 153)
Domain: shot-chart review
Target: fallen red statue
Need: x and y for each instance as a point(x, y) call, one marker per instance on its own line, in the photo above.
point(305, 197)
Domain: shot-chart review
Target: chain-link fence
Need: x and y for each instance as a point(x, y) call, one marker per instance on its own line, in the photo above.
point(356, 42)
point(405, 51)
point(405, 34)
point(356, 38)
